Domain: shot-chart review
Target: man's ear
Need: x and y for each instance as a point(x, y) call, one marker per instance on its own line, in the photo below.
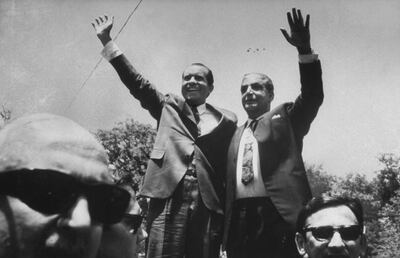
point(211, 87)
point(300, 244)
point(272, 95)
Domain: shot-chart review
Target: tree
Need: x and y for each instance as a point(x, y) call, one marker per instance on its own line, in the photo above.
point(389, 237)
point(128, 145)
point(320, 181)
point(388, 178)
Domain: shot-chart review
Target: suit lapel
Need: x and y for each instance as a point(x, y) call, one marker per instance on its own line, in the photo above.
point(187, 111)
point(234, 148)
point(263, 130)
point(188, 120)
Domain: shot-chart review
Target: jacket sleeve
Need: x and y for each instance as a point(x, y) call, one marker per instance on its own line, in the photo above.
point(140, 88)
point(305, 108)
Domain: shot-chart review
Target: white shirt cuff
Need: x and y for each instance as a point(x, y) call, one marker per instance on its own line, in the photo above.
point(308, 58)
point(111, 51)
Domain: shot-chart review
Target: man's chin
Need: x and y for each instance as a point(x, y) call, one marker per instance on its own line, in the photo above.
point(251, 108)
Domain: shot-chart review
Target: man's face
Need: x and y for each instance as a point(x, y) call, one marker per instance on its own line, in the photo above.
point(256, 99)
point(33, 234)
point(195, 87)
point(55, 190)
point(337, 246)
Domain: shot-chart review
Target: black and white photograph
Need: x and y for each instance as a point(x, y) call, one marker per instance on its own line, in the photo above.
point(199, 129)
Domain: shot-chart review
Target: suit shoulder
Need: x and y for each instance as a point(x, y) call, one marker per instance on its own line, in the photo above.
point(229, 115)
point(173, 99)
point(282, 108)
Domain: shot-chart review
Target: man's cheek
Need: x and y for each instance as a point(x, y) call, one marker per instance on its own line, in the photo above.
point(28, 227)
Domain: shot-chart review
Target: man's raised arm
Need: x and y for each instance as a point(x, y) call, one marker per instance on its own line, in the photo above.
point(139, 87)
point(307, 104)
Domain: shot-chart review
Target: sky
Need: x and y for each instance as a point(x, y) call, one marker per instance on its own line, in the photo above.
point(49, 47)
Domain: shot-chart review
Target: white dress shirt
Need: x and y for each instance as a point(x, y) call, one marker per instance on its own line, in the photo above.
point(208, 120)
point(256, 187)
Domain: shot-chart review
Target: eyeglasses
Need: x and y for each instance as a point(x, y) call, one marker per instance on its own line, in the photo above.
point(52, 192)
point(325, 233)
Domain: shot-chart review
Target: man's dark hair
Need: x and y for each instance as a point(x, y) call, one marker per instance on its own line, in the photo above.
point(322, 202)
point(209, 75)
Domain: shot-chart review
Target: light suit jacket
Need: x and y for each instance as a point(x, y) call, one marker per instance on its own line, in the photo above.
point(177, 140)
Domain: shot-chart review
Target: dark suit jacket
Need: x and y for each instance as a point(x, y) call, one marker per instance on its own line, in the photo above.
point(177, 140)
point(280, 140)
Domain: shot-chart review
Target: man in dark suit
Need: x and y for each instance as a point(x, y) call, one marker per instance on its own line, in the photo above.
point(184, 177)
point(266, 180)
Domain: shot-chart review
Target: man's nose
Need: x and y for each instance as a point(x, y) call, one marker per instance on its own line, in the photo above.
point(249, 90)
point(336, 241)
point(78, 216)
point(192, 80)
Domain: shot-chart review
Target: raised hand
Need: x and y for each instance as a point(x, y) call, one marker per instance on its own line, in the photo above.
point(299, 31)
point(102, 26)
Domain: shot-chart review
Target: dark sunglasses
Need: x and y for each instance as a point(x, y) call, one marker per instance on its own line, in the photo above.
point(133, 222)
point(52, 192)
point(325, 233)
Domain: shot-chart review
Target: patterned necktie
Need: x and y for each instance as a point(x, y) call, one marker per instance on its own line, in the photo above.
point(247, 164)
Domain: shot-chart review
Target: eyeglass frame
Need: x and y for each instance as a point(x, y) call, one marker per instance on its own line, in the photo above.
point(335, 229)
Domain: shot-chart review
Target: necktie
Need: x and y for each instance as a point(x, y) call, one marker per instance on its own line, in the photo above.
point(197, 118)
point(247, 165)
point(253, 125)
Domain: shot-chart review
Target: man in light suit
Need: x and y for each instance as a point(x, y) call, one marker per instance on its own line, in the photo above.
point(266, 180)
point(184, 177)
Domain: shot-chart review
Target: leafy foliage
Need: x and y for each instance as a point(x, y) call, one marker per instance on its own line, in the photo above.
point(128, 145)
point(320, 181)
point(388, 179)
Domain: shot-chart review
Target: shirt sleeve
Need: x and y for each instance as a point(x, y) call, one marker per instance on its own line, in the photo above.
point(111, 51)
point(308, 58)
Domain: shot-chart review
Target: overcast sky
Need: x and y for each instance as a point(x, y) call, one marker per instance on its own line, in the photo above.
point(48, 48)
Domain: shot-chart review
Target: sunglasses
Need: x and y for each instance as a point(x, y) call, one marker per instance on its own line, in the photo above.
point(325, 233)
point(52, 192)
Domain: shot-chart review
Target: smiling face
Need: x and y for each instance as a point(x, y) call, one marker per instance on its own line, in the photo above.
point(336, 246)
point(256, 98)
point(195, 85)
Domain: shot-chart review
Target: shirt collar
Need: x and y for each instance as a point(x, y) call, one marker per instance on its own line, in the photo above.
point(201, 108)
point(257, 119)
